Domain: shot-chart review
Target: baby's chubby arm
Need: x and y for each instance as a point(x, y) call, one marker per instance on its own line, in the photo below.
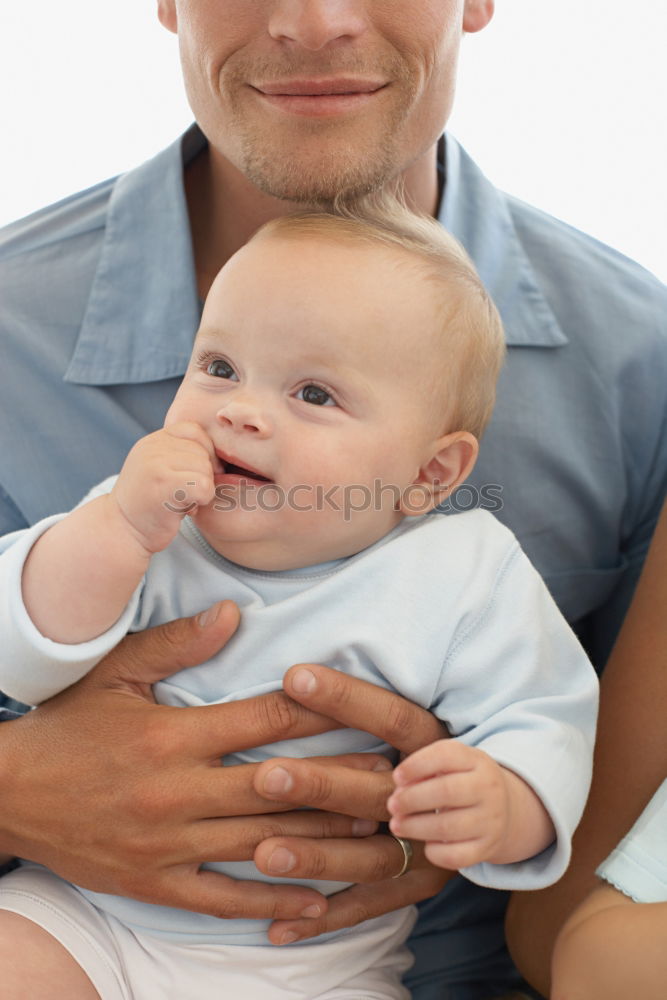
point(467, 807)
point(81, 573)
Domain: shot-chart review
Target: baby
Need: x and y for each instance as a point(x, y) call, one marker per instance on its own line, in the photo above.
point(341, 377)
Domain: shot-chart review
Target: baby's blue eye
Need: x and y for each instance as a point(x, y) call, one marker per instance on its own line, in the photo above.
point(316, 395)
point(221, 369)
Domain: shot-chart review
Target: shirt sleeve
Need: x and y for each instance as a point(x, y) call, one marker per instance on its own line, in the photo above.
point(638, 866)
point(32, 667)
point(517, 666)
point(7, 714)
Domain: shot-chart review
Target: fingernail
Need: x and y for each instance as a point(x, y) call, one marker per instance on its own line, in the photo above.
point(288, 937)
point(278, 781)
point(281, 861)
point(363, 827)
point(383, 765)
point(312, 911)
point(304, 681)
point(209, 616)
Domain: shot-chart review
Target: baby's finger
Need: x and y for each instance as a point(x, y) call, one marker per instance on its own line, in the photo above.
point(436, 758)
point(455, 856)
point(446, 791)
point(451, 826)
point(188, 430)
point(188, 490)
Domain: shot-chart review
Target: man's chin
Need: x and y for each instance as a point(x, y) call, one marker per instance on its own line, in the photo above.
point(317, 182)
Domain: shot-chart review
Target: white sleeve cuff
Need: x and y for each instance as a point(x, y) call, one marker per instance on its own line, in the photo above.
point(638, 866)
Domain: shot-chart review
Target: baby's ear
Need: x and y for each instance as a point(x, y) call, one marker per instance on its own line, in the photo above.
point(452, 459)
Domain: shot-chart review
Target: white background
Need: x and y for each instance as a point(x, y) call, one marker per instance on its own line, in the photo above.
point(562, 102)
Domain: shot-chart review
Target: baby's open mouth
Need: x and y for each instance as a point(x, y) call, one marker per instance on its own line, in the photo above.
point(231, 469)
point(226, 465)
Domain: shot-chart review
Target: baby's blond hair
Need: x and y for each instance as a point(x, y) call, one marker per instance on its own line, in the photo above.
point(470, 321)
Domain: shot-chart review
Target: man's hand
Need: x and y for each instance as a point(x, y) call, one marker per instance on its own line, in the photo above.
point(371, 862)
point(121, 795)
point(124, 796)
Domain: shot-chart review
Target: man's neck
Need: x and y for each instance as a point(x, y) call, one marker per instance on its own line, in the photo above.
point(225, 208)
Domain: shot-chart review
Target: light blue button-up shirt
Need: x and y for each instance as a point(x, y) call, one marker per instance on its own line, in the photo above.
point(100, 306)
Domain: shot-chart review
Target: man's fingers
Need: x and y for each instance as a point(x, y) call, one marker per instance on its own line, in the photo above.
point(146, 657)
point(216, 792)
point(325, 786)
point(236, 838)
point(211, 731)
point(360, 705)
point(370, 859)
point(359, 761)
point(220, 896)
point(362, 902)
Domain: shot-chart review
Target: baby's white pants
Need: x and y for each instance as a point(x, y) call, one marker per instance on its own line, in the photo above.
point(366, 963)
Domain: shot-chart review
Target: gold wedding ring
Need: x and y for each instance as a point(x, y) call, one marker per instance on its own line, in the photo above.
point(406, 847)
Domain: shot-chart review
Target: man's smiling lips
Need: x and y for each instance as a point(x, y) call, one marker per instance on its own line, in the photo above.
point(320, 97)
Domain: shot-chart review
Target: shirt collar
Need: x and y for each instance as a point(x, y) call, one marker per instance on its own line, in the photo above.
point(478, 215)
point(144, 309)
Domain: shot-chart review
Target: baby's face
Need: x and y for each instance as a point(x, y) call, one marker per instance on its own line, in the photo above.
point(314, 375)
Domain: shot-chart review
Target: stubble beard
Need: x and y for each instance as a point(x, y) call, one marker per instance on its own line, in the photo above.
point(344, 174)
point(351, 167)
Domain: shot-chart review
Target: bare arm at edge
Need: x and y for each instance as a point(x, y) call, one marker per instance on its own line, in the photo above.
point(630, 763)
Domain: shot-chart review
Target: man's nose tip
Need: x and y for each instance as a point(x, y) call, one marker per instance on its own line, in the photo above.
point(313, 24)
